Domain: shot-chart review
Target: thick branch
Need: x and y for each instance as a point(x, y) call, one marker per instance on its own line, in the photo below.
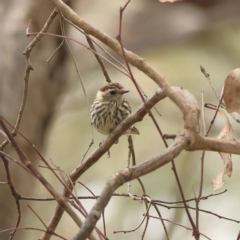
point(23, 158)
point(189, 116)
point(183, 99)
point(217, 145)
point(137, 116)
point(127, 175)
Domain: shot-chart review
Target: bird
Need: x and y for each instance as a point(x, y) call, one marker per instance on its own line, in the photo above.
point(110, 108)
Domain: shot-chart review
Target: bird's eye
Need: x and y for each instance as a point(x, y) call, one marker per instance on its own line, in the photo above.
point(112, 92)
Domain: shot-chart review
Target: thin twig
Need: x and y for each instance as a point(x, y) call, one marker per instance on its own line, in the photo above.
point(163, 223)
point(193, 199)
point(198, 198)
point(119, 38)
point(150, 113)
point(14, 193)
point(28, 69)
point(69, 38)
point(178, 224)
point(89, 40)
point(215, 115)
point(133, 230)
point(100, 234)
point(35, 229)
point(78, 73)
point(104, 50)
point(200, 210)
point(122, 195)
point(37, 216)
point(49, 59)
point(59, 198)
point(203, 115)
point(89, 146)
point(207, 75)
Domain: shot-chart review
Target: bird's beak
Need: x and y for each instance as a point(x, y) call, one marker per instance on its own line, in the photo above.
point(124, 91)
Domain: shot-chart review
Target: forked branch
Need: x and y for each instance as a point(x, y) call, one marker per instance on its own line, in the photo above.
point(187, 139)
point(127, 175)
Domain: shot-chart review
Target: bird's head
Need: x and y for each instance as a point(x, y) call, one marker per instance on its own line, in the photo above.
point(111, 92)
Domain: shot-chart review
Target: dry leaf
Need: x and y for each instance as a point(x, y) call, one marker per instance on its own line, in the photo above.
point(218, 181)
point(231, 92)
point(226, 133)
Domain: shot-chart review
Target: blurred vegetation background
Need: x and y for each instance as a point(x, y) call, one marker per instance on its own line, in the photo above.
point(175, 39)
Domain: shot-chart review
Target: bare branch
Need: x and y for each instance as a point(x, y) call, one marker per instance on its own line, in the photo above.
point(103, 148)
point(58, 197)
point(90, 42)
point(124, 176)
point(28, 69)
point(207, 75)
point(132, 58)
point(216, 145)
